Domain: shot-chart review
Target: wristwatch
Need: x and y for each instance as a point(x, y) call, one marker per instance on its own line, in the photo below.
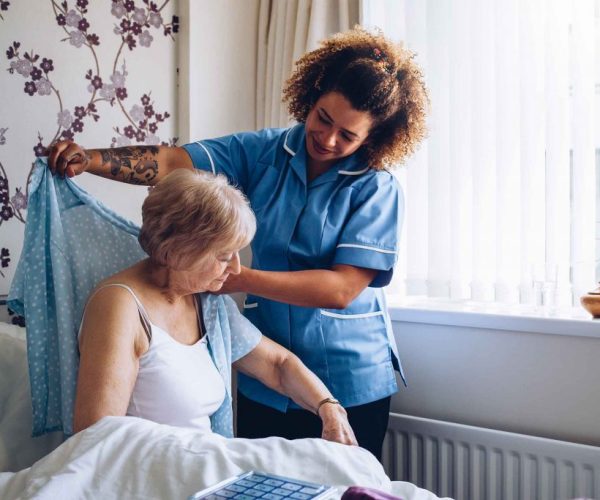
point(333, 401)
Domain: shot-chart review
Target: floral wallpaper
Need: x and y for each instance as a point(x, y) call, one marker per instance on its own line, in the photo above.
point(99, 73)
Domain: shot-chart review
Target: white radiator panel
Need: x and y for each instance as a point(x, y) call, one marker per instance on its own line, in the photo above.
point(473, 463)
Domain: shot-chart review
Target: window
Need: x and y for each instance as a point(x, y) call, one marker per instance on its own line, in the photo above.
point(503, 199)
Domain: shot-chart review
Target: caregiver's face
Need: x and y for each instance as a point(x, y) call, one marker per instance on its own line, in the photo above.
point(334, 129)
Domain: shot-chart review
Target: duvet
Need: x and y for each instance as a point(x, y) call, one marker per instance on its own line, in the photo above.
point(127, 457)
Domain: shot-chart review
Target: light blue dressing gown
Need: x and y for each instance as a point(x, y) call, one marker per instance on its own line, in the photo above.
point(72, 242)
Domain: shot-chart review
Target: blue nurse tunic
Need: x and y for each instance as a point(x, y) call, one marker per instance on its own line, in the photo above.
point(351, 215)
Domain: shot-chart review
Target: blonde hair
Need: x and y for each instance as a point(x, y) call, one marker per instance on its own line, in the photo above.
point(190, 213)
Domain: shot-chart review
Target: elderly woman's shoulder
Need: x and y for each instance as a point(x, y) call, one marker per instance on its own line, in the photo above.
point(125, 282)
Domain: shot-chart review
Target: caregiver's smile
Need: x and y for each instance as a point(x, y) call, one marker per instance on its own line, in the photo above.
point(334, 129)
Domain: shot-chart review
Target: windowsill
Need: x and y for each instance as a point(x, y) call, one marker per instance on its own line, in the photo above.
point(571, 321)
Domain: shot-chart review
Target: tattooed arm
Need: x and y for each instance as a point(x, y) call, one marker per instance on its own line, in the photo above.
point(144, 165)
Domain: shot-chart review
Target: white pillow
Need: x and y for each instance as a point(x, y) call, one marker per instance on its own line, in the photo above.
point(17, 448)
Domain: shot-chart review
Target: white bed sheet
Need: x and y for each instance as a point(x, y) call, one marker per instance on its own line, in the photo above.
point(127, 457)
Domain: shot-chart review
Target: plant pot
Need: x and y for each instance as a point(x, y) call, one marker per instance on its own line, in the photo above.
point(591, 302)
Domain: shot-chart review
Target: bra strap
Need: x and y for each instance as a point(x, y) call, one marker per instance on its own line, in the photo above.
point(145, 320)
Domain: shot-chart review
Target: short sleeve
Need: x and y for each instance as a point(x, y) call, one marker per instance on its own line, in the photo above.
point(234, 156)
point(244, 335)
point(370, 237)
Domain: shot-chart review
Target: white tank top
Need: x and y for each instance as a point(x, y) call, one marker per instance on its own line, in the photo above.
point(177, 384)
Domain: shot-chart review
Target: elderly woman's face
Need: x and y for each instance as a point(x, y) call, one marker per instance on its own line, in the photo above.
point(209, 272)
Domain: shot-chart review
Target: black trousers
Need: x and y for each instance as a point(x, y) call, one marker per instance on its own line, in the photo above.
point(369, 422)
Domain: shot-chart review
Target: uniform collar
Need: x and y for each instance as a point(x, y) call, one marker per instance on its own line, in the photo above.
point(294, 144)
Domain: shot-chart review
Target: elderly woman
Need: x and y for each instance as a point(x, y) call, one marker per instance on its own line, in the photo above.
point(147, 349)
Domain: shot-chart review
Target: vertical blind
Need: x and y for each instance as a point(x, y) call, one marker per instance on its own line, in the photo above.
point(501, 200)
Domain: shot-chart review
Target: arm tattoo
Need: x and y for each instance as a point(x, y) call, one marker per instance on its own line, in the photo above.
point(134, 165)
point(86, 159)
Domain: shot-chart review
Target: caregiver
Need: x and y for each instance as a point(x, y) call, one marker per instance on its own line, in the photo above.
point(328, 214)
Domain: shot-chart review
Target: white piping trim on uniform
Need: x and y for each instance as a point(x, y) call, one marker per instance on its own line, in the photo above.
point(365, 247)
point(285, 146)
point(351, 316)
point(212, 163)
point(353, 172)
point(252, 305)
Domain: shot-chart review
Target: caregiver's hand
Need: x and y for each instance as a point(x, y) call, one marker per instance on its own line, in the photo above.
point(68, 158)
point(335, 424)
point(235, 282)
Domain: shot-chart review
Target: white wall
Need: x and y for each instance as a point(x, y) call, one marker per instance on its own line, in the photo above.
point(217, 71)
point(541, 384)
point(217, 67)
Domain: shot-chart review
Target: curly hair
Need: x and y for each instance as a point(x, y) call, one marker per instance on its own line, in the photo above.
point(376, 76)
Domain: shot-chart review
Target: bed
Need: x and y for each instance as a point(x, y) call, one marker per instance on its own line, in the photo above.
point(127, 457)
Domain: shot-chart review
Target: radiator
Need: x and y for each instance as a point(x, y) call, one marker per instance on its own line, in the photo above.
point(472, 463)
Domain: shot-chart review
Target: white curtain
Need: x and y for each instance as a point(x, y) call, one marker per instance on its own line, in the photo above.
point(502, 199)
point(287, 29)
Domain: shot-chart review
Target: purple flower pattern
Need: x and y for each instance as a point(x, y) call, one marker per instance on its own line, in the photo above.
point(4, 257)
point(77, 38)
point(4, 4)
point(97, 82)
point(64, 118)
point(72, 19)
point(24, 67)
point(40, 150)
point(6, 212)
point(36, 74)
point(47, 65)
point(146, 38)
point(77, 126)
point(107, 92)
point(83, 25)
point(118, 9)
point(44, 87)
point(139, 16)
point(155, 19)
point(30, 88)
point(9, 207)
point(137, 113)
point(136, 25)
point(19, 200)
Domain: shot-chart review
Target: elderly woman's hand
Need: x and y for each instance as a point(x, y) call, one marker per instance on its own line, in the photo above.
point(335, 424)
